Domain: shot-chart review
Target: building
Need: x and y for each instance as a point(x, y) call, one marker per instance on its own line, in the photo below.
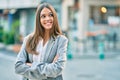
point(82, 20)
point(22, 11)
point(87, 19)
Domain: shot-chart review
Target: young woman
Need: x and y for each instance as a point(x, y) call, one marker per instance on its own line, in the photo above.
point(43, 52)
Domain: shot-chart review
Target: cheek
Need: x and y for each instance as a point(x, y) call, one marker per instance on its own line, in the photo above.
point(52, 19)
point(41, 21)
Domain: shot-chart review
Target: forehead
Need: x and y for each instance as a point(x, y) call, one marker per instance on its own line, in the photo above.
point(45, 11)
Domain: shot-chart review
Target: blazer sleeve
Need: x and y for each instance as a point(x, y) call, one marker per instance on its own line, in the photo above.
point(23, 69)
point(54, 69)
point(42, 70)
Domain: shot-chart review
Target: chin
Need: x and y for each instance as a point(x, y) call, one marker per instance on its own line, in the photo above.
point(48, 27)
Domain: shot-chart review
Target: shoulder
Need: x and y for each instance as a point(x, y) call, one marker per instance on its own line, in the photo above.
point(62, 38)
point(27, 37)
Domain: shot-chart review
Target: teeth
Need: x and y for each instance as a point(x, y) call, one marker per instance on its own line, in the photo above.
point(48, 23)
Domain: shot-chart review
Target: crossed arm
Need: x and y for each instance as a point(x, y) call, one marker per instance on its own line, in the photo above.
point(41, 70)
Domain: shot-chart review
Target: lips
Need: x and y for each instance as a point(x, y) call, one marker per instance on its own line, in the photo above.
point(48, 23)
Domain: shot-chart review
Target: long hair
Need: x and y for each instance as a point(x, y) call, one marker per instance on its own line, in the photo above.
point(39, 30)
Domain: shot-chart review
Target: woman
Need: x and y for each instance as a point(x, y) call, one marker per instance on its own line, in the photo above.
point(43, 52)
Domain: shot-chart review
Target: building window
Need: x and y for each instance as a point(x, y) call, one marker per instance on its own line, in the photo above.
point(100, 14)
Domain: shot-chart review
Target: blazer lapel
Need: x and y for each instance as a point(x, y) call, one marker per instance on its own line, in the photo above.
point(49, 48)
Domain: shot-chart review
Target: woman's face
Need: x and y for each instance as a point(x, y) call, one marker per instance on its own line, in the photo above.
point(46, 18)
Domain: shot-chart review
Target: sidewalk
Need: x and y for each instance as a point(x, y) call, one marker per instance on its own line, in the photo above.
point(90, 54)
point(93, 55)
point(8, 47)
point(86, 66)
point(7, 50)
point(13, 47)
point(92, 69)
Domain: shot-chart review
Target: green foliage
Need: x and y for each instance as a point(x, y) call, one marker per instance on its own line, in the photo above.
point(11, 36)
point(8, 38)
point(1, 33)
point(15, 26)
point(15, 30)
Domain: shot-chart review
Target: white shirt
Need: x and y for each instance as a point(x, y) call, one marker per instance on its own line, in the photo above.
point(41, 50)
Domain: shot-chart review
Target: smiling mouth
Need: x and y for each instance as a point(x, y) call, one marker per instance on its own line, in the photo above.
point(49, 23)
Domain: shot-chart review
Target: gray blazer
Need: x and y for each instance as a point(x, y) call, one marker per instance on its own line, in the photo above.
point(46, 69)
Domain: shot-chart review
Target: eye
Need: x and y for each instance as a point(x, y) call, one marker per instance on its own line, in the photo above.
point(42, 16)
point(51, 14)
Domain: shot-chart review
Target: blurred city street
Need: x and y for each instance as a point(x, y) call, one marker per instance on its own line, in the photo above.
point(91, 26)
point(77, 68)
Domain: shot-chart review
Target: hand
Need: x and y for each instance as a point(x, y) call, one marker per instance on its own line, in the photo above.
point(56, 58)
point(29, 64)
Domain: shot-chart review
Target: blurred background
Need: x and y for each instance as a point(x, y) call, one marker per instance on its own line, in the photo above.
point(92, 27)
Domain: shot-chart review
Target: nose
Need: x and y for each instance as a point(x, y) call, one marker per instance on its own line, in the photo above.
point(47, 18)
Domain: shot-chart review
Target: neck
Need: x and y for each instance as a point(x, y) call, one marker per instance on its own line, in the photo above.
point(46, 36)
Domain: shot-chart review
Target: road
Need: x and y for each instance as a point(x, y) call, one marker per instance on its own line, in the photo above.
point(76, 69)
point(7, 67)
point(92, 69)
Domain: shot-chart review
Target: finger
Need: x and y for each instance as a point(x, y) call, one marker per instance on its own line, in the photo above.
point(29, 64)
point(56, 57)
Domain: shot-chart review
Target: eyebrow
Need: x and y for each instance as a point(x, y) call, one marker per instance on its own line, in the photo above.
point(48, 13)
